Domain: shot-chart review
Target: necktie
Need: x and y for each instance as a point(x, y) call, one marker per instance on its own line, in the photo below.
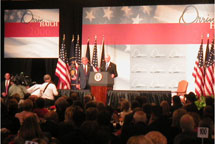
point(85, 69)
point(6, 86)
point(106, 66)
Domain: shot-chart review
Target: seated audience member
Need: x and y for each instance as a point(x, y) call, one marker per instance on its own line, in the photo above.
point(156, 137)
point(147, 108)
point(50, 124)
point(89, 131)
point(208, 111)
point(30, 129)
point(175, 126)
point(26, 107)
point(142, 100)
point(165, 108)
point(190, 102)
point(91, 113)
point(176, 103)
point(17, 87)
point(48, 90)
point(8, 120)
point(158, 122)
point(207, 122)
point(187, 126)
point(209, 101)
point(135, 104)
point(125, 109)
point(61, 104)
point(141, 139)
point(40, 109)
point(35, 90)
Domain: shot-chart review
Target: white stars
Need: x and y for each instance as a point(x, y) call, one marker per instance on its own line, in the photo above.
point(127, 11)
point(108, 13)
point(137, 20)
point(90, 16)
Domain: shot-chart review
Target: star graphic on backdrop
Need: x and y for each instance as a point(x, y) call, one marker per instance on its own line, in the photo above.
point(147, 9)
point(90, 16)
point(128, 48)
point(137, 19)
point(127, 11)
point(108, 13)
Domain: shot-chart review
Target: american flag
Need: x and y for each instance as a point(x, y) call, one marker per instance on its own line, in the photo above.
point(95, 55)
point(62, 69)
point(103, 53)
point(78, 51)
point(88, 50)
point(198, 73)
point(209, 71)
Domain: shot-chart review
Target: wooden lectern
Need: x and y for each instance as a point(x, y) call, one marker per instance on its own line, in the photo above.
point(100, 83)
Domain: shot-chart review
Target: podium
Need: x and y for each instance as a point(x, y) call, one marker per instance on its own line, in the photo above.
point(100, 83)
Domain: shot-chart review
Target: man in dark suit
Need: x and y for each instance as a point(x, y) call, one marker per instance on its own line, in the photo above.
point(83, 74)
point(5, 85)
point(109, 67)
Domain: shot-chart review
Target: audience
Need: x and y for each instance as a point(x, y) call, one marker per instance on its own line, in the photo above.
point(84, 121)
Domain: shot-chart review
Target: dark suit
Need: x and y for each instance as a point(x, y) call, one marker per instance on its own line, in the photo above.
point(82, 76)
point(111, 69)
point(3, 86)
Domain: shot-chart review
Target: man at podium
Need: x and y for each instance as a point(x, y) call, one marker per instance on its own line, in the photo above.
point(110, 67)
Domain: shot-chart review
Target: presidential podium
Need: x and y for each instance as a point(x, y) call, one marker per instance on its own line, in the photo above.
point(100, 83)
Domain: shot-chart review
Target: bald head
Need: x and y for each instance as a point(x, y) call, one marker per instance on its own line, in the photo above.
point(107, 58)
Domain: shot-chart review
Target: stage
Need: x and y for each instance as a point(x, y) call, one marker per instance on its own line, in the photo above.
point(114, 96)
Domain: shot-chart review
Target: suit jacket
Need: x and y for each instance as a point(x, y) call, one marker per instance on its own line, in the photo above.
point(3, 86)
point(111, 69)
point(83, 77)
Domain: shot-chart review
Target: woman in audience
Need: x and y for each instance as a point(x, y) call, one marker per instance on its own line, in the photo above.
point(30, 129)
point(176, 103)
point(125, 109)
point(26, 107)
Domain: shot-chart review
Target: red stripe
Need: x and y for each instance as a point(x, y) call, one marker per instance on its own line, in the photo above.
point(30, 30)
point(165, 33)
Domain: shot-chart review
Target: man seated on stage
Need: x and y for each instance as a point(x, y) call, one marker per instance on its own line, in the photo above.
point(48, 90)
point(110, 67)
point(83, 74)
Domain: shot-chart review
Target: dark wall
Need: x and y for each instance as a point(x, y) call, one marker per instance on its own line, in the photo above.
point(70, 23)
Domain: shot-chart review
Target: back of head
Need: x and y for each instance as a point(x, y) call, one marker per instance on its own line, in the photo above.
point(140, 116)
point(177, 114)
point(165, 107)
point(47, 78)
point(141, 139)
point(125, 105)
point(40, 103)
point(27, 105)
point(91, 113)
point(30, 128)
point(176, 100)
point(156, 137)
point(187, 123)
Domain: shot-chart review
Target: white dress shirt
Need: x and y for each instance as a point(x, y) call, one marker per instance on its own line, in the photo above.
point(50, 91)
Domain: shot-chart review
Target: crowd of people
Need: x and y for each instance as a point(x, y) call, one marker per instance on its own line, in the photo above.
point(44, 117)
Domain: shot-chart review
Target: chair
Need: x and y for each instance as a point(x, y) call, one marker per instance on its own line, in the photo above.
point(182, 89)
